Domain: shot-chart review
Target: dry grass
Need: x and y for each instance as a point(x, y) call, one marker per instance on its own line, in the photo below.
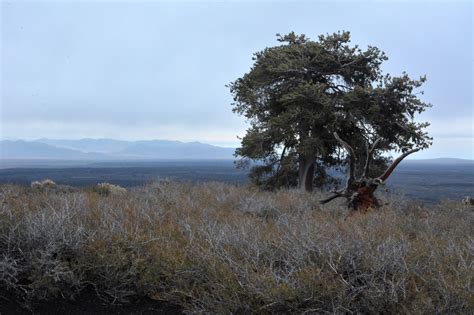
point(225, 249)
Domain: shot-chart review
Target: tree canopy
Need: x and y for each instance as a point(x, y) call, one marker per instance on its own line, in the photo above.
point(299, 93)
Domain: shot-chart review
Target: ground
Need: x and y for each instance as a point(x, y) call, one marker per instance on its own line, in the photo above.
point(86, 302)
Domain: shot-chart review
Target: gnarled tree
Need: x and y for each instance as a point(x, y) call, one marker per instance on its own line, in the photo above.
point(359, 192)
point(297, 94)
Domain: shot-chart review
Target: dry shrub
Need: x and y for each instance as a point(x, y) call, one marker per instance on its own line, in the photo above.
point(49, 186)
point(225, 249)
point(106, 189)
point(43, 185)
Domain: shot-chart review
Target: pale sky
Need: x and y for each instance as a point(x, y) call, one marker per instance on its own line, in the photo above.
point(157, 70)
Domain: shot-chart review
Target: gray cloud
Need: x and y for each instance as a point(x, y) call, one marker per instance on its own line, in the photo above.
point(159, 69)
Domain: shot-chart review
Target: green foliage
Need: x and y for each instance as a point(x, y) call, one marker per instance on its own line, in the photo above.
point(297, 94)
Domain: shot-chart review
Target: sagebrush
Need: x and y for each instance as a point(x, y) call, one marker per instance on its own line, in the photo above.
point(226, 249)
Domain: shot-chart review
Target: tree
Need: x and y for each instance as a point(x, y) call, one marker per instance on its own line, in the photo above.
point(297, 94)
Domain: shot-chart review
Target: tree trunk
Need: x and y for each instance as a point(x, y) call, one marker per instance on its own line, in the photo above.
point(306, 174)
point(306, 160)
point(308, 182)
point(363, 198)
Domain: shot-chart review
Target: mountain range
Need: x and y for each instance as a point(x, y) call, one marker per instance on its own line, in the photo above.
point(109, 149)
point(120, 150)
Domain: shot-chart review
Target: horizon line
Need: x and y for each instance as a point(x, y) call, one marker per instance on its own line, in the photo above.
point(200, 142)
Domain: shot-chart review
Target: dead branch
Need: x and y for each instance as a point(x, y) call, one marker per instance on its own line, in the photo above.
point(360, 193)
point(370, 152)
point(394, 164)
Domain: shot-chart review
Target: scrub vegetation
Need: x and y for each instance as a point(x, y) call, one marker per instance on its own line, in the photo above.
point(221, 248)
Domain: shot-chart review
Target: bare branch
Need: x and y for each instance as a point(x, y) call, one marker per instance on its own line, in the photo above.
point(351, 158)
point(335, 195)
point(281, 157)
point(394, 164)
point(369, 156)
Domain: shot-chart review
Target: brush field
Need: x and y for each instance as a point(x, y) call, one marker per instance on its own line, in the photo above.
point(222, 248)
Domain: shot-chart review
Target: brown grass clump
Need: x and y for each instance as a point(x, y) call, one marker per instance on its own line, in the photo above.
point(225, 249)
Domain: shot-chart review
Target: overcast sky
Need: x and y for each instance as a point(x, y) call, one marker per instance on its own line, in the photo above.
point(158, 70)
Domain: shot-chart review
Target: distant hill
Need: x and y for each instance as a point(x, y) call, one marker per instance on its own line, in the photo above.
point(35, 150)
point(175, 149)
point(109, 149)
point(440, 161)
point(89, 145)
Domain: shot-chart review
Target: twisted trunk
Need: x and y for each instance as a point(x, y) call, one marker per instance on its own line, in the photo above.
point(306, 174)
point(306, 160)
